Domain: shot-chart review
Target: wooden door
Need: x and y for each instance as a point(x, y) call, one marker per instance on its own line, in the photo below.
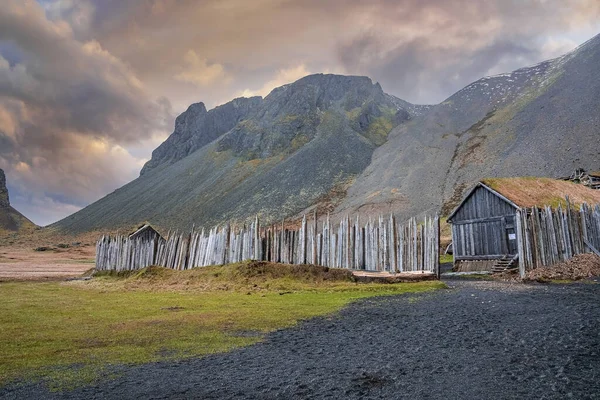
point(511, 237)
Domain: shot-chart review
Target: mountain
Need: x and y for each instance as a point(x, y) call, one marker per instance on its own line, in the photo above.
point(542, 120)
point(302, 144)
point(197, 127)
point(340, 143)
point(10, 219)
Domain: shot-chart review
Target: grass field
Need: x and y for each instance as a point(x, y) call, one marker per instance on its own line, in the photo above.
point(446, 258)
point(67, 333)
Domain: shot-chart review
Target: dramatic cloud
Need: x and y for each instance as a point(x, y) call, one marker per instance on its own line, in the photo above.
point(88, 88)
point(421, 50)
point(198, 72)
point(424, 51)
point(66, 109)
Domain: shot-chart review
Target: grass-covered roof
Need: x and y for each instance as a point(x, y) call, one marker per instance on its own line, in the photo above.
point(533, 191)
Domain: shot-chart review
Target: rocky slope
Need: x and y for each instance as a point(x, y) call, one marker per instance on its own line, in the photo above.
point(10, 219)
point(302, 144)
point(342, 142)
point(542, 120)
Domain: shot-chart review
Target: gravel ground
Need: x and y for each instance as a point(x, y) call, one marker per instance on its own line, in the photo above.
point(477, 340)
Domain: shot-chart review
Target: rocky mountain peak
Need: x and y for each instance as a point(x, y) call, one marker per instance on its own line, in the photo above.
point(4, 201)
point(324, 90)
point(196, 127)
point(293, 115)
point(194, 109)
point(287, 118)
point(10, 219)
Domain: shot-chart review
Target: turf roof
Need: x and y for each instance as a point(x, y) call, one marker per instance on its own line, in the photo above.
point(533, 191)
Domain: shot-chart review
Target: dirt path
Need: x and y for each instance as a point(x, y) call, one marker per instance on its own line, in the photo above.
point(23, 263)
point(477, 340)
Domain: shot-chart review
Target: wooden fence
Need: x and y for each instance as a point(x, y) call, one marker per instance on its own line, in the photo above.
point(548, 236)
point(381, 245)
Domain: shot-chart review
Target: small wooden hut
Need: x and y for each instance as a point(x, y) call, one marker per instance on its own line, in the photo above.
point(145, 231)
point(483, 224)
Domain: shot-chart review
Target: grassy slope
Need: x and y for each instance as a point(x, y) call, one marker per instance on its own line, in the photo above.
point(67, 333)
point(12, 221)
point(210, 187)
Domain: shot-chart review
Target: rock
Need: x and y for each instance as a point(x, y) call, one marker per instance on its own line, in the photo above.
point(10, 219)
point(4, 200)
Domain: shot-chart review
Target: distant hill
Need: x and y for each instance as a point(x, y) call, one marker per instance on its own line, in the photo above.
point(10, 219)
point(342, 144)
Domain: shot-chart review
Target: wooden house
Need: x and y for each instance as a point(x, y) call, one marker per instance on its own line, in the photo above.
point(145, 231)
point(483, 224)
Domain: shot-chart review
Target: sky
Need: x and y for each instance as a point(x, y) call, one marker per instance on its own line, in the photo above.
point(89, 88)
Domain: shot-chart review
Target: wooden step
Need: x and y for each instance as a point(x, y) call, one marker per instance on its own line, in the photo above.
point(503, 265)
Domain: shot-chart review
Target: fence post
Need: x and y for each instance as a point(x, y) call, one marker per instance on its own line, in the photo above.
point(381, 245)
point(520, 242)
point(436, 245)
point(583, 212)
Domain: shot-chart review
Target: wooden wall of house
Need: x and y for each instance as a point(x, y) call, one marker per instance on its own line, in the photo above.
point(146, 234)
point(483, 228)
point(483, 204)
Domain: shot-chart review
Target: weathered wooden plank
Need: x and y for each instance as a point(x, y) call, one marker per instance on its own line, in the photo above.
point(384, 245)
point(520, 243)
point(436, 246)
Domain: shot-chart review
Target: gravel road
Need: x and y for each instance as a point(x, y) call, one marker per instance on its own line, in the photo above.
point(476, 340)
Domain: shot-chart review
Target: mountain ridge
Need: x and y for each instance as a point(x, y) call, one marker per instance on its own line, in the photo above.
point(197, 126)
point(303, 142)
point(342, 144)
